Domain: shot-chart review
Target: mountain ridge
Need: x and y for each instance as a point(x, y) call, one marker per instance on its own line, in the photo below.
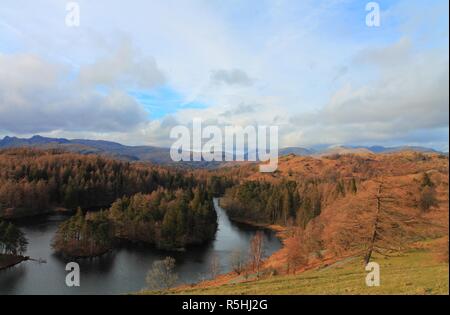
point(161, 155)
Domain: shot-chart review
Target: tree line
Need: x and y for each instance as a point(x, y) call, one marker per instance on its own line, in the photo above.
point(33, 181)
point(288, 203)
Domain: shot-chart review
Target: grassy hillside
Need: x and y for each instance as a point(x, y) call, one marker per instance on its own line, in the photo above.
point(347, 217)
point(414, 272)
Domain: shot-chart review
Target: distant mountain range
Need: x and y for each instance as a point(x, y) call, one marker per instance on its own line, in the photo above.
point(159, 155)
point(116, 150)
point(327, 150)
point(371, 149)
point(381, 149)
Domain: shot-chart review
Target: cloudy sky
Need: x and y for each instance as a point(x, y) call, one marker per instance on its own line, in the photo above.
point(132, 70)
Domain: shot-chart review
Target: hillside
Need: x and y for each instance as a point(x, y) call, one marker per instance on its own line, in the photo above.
point(414, 272)
point(337, 212)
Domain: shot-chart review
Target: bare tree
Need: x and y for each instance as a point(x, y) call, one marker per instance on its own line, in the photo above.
point(257, 252)
point(162, 274)
point(214, 266)
point(237, 261)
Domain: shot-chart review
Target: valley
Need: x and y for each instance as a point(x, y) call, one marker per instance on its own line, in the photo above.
point(333, 213)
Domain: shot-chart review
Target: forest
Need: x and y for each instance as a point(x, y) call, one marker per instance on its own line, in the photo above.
point(35, 181)
point(167, 219)
point(167, 207)
point(286, 203)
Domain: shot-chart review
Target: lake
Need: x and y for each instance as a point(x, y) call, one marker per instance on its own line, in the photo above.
point(124, 269)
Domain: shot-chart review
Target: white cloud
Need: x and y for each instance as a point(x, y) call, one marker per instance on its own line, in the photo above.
point(231, 77)
point(312, 67)
point(410, 94)
point(37, 96)
point(124, 68)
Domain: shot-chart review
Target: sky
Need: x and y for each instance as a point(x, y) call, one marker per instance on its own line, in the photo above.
point(133, 70)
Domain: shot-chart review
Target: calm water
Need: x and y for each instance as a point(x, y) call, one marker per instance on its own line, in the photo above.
point(124, 269)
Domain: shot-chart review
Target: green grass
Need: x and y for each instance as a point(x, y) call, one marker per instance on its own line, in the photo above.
point(415, 272)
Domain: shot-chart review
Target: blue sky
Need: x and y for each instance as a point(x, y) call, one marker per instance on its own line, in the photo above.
point(163, 101)
point(133, 70)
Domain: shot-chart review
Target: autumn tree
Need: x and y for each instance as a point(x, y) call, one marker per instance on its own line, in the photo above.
point(313, 238)
point(374, 222)
point(296, 251)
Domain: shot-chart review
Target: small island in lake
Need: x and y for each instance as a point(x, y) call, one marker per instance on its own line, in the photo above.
point(170, 220)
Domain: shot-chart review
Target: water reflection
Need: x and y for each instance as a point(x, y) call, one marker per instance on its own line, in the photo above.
point(124, 269)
